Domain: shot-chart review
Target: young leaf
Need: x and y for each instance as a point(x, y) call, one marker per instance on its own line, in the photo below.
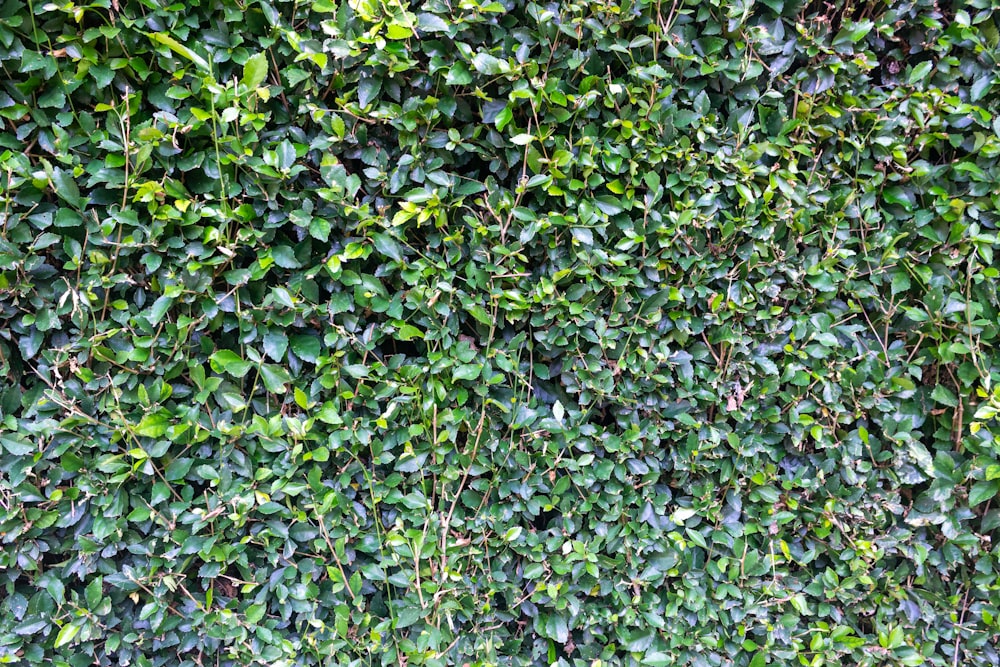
point(181, 50)
point(66, 634)
point(254, 71)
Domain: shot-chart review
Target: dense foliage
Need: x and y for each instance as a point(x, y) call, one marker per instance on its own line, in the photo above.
point(365, 332)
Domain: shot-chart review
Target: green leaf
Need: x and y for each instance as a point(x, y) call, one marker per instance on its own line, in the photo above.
point(207, 473)
point(945, 396)
point(356, 370)
point(66, 634)
point(853, 32)
point(301, 399)
point(909, 657)
point(398, 31)
point(368, 89)
point(983, 491)
point(283, 297)
point(178, 469)
point(512, 534)
point(275, 344)
point(284, 257)
point(900, 196)
point(431, 23)
point(255, 613)
point(654, 302)
point(682, 514)
point(558, 411)
point(388, 246)
point(487, 64)
point(921, 456)
point(94, 592)
point(408, 616)
point(16, 444)
point(557, 628)
point(467, 372)
point(319, 228)
point(409, 332)
point(181, 50)
point(227, 361)
point(920, 72)
point(275, 378)
point(479, 313)
point(503, 118)
point(991, 520)
point(640, 639)
point(67, 189)
point(255, 71)
point(153, 425)
point(159, 309)
point(306, 348)
point(66, 217)
point(458, 75)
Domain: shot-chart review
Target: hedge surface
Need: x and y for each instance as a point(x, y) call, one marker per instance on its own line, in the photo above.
point(367, 332)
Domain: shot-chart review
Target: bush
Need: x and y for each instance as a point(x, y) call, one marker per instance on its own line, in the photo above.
point(360, 332)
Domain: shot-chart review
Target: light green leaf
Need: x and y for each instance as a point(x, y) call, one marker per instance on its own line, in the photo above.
point(682, 514)
point(66, 634)
point(368, 90)
point(275, 378)
point(255, 613)
point(255, 71)
point(94, 592)
point(920, 72)
point(409, 332)
point(431, 23)
point(180, 49)
point(467, 372)
point(458, 75)
point(398, 31)
point(153, 425)
point(921, 456)
point(487, 64)
point(227, 361)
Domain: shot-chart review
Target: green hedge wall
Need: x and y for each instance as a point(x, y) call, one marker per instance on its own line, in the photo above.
point(582, 333)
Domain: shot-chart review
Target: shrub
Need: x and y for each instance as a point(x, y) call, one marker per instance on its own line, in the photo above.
point(507, 333)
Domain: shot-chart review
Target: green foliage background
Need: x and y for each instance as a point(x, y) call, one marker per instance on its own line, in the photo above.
point(585, 333)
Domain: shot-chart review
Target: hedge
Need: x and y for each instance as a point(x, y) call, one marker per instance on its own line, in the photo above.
point(499, 333)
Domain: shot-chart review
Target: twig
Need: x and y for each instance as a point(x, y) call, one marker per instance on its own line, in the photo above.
point(885, 349)
point(958, 632)
point(340, 566)
point(718, 360)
